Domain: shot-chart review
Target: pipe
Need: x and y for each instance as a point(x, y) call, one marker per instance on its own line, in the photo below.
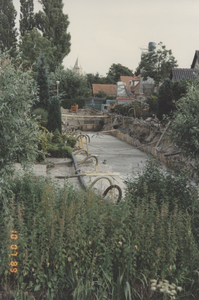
point(78, 172)
point(110, 188)
point(85, 159)
point(102, 177)
point(79, 151)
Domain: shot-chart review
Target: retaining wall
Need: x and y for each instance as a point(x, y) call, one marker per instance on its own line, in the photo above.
point(136, 143)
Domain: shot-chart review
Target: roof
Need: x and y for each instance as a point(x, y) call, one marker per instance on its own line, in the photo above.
point(126, 79)
point(109, 89)
point(196, 56)
point(178, 74)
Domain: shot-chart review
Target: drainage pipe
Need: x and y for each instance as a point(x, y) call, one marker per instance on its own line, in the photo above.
point(77, 171)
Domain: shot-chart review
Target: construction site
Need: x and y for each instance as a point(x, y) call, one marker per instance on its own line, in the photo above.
point(110, 149)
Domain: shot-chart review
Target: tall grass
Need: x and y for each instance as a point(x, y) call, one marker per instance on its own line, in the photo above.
point(73, 245)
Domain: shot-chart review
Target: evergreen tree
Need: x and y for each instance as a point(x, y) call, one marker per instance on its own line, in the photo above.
point(54, 23)
point(54, 115)
point(165, 97)
point(43, 83)
point(27, 20)
point(8, 32)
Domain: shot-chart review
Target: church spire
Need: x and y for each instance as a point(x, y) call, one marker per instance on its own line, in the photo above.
point(77, 67)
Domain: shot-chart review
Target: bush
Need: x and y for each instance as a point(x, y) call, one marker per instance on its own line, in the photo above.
point(167, 187)
point(152, 100)
point(71, 141)
point(59, 150)
point(57, 138)
point(72, 242)
point(42, 116)
point(42, 146)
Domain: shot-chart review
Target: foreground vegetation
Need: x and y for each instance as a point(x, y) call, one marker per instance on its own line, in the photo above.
point(73, 245)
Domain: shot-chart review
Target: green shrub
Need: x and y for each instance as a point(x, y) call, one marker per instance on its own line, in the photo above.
point(72, 243)
point(42, 146)
point(42, 116)
point(57, 138)
point(71, 141)
point(59, 150)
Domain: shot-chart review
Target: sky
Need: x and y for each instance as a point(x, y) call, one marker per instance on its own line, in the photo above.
point(106, 32)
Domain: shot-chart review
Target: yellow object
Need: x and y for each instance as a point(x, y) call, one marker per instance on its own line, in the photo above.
point(74, 108)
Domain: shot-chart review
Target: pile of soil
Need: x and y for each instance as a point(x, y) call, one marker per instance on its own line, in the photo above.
point(147, 132)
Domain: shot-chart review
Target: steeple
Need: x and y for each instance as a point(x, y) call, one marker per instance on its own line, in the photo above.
point(77, 68)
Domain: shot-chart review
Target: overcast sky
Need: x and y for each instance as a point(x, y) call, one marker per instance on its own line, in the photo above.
point(104, 32)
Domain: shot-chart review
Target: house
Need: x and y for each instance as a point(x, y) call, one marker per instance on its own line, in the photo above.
point(178, 74)
point(135, 87)
point(109, 89)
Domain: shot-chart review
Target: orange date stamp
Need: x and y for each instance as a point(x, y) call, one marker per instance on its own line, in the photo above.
point(14, 253)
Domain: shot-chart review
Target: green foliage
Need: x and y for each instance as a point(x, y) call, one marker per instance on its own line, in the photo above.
point(59, 150)
point(117, 70)
point(71, 141)
point(134, 109)
point(27, 20)
point(43, 141)
point(42, 116)
point(179, 88)
point(72, 242)
point(185, 127)
point(152, 100)
point(18, 131)
point(8, 32)
point(165, 99)
point(72, 86)
point(57, 138)
point(54, 115)
point(43, 84)
point(32, 44)
point(95, 78)
point(157, 64)
point(54, 23)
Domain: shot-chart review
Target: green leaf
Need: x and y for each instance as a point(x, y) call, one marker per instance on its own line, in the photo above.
point(37, 287)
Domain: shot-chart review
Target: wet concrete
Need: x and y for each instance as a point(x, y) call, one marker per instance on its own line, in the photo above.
point(120, 156)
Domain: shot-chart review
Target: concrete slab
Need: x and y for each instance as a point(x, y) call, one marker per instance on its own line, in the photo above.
point(120, 156)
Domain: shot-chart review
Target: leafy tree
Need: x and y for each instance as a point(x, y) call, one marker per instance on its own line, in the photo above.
point(27, 20)
point(95, 78)
point(165, 99)
point(117, 70)
point(32, 44)
point(43, 84)
point(54, 23)
point(18, 131)
point(54, 115)
point(8, 32)
point(185, 123)
point(72, 85)
point(157, 64)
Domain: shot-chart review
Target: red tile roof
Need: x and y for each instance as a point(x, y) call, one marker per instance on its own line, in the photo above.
point(127, 79)
point(109, 89)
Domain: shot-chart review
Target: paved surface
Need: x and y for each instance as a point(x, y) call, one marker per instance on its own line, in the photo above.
point(120, 156)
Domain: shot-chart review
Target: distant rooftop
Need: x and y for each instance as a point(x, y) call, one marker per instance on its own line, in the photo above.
point(180, 74)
